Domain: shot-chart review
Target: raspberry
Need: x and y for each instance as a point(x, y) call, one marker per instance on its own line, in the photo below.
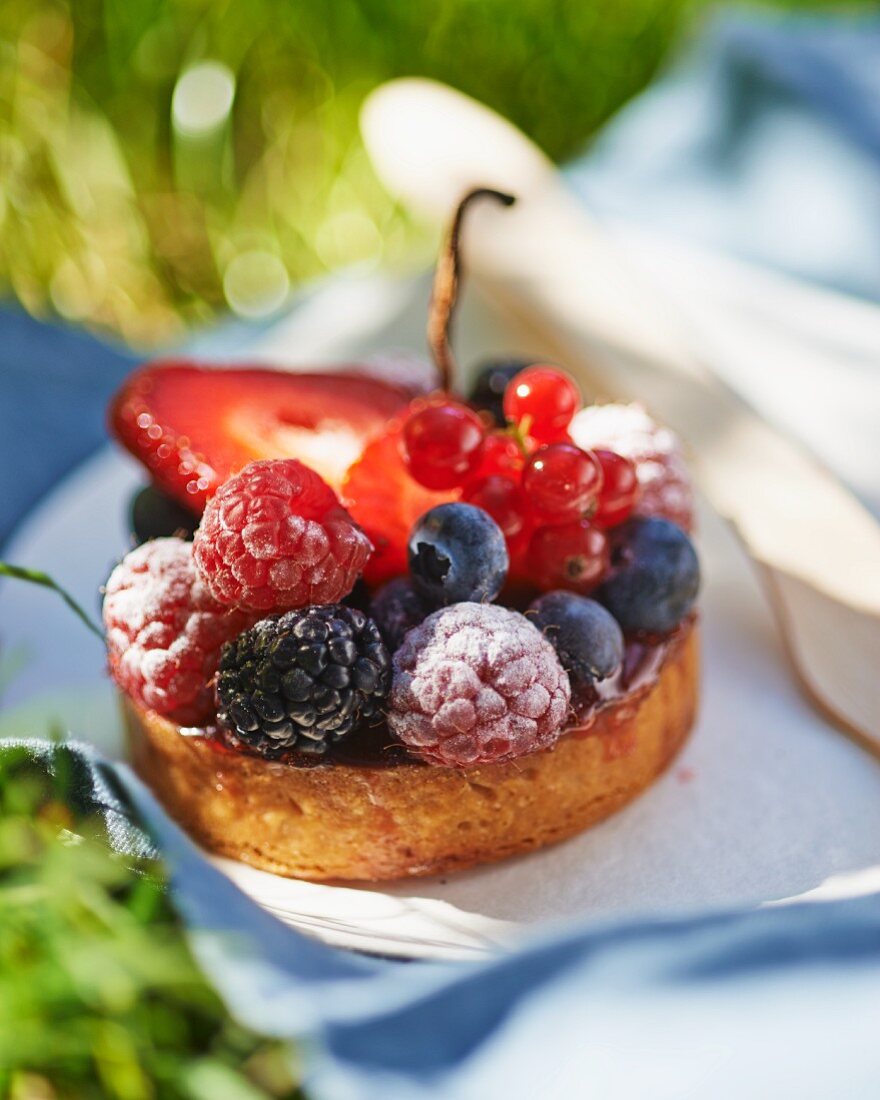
point(665, 486)
point(165, 630)
point(386, 502)
point(276, 537)
point(477, 684)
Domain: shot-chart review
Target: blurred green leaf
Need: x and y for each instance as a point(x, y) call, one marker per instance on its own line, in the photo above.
point(38, 577)
point(128, 203)
point(99, 993)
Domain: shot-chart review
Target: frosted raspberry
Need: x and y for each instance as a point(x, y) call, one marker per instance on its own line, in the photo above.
point(275, 537)
point(656, 451)
point(477, 684)
point(165, 630)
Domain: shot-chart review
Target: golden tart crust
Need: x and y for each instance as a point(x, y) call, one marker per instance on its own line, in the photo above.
point(362, 823)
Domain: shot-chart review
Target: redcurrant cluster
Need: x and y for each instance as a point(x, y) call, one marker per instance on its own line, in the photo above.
point(553, 500)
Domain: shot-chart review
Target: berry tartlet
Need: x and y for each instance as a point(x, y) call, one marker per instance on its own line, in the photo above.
point(372, 630)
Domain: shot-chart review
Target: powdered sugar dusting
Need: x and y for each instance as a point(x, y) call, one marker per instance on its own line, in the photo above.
point(477, 684)
point(276, 537)
point(165, 630)
point(656, 451)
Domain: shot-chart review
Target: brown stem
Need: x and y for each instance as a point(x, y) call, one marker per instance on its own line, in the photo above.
point(445, 289)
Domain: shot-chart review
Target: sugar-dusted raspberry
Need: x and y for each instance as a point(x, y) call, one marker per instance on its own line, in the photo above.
point(664, 483)
point(165, 630)
point(275, 537)
point(477, 684)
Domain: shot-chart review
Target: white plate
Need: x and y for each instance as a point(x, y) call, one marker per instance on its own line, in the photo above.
point(765, 802)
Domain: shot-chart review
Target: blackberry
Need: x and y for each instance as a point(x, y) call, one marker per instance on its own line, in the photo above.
point(303, 680)
point(487, 392)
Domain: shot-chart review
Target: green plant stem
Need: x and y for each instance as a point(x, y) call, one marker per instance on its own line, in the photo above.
point(37, 576)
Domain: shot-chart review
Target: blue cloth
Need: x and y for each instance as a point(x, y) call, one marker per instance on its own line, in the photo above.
point(777, 1002)
point(55, 383)
point(764, 141)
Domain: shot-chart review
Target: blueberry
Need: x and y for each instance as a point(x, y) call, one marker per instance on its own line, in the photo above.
point(487, 392)
point(457, 554)
point(584, 634)
point(655, 576)
point(396, 609)
point(156, 515)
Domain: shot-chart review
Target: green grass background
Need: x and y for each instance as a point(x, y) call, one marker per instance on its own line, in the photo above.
point(113, 217)
point(100, 998)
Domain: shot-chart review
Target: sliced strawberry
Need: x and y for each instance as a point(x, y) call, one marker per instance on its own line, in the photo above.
point(382, 497)
point(193, 426)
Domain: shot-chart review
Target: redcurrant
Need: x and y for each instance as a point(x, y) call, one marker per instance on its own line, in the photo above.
point(501, 454)
point(620, 489)
point(547, 396)
point(562, 482)
point(503, 499)
point(573, 556)
point(441, 443)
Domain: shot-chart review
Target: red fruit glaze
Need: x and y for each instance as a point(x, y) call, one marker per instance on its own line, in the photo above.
point(194, 426)
point(386, 502)
point(620, 489)
point(562, 482)
point(547, 396)
point(503, 499)
point(573, 556)
point(165, 631)
point(441, 443)
point(275, 537)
